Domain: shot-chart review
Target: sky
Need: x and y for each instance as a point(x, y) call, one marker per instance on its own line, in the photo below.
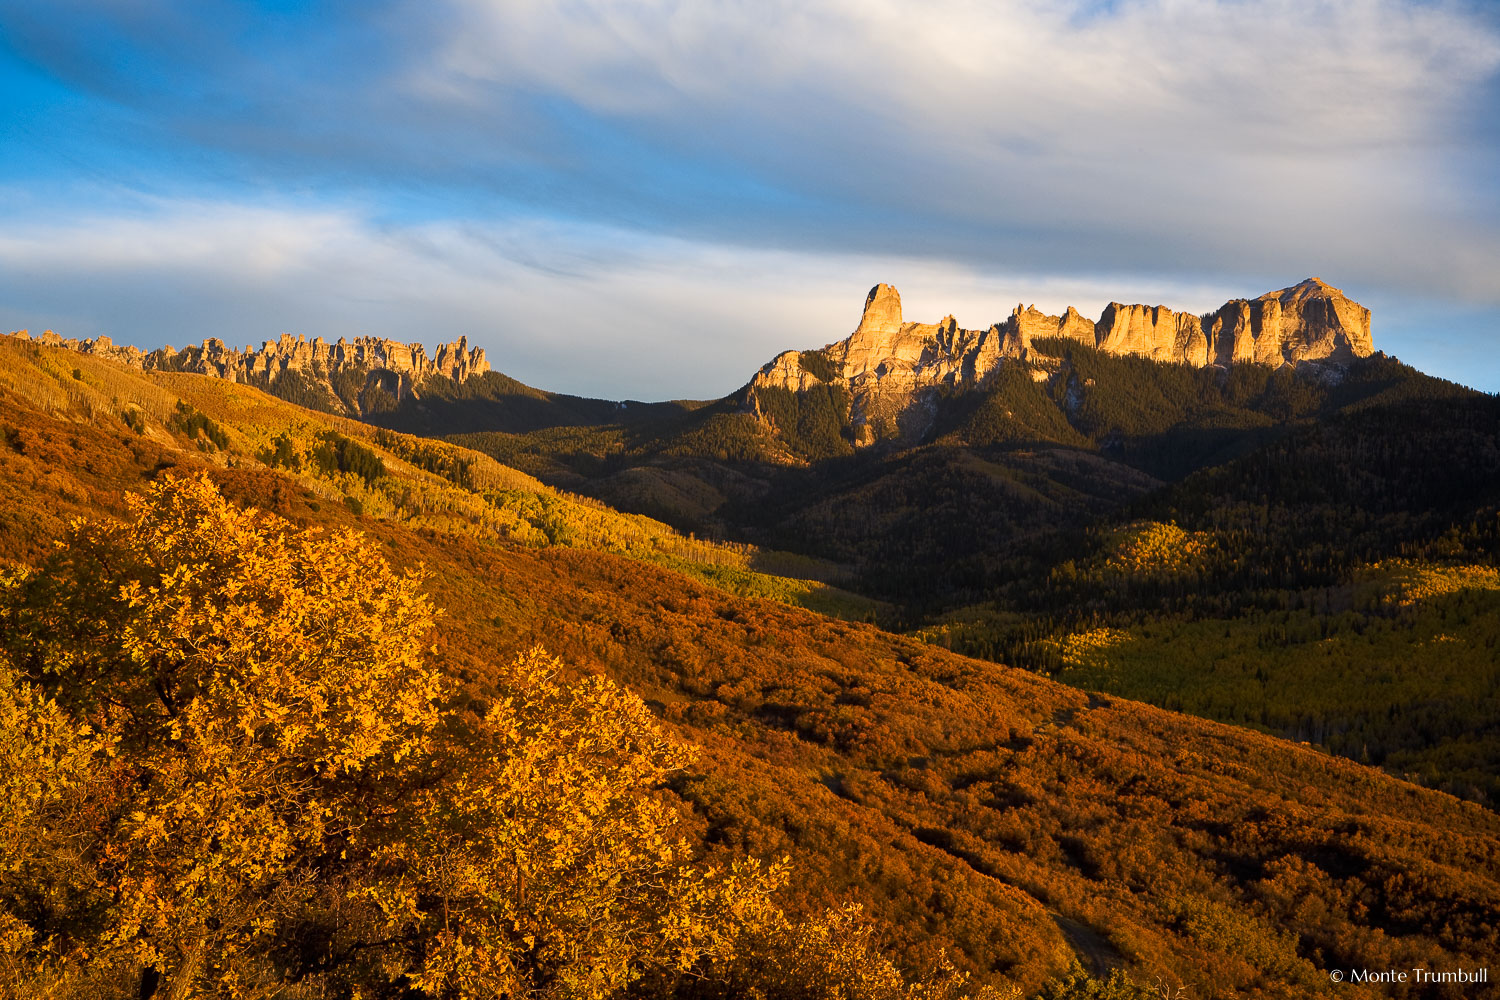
point(651, 198)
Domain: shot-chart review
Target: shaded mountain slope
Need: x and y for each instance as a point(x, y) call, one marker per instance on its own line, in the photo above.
point(1334, 585)
point(495, 401)
point(1028, 459)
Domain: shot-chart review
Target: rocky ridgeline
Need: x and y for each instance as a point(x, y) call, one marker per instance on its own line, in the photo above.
point(886, 362)
point(400, 367)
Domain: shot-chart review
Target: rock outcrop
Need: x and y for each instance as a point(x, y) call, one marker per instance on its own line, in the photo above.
point(891, 367)
point(400, 368)
point(319, 359)
point(1154, 332)
point(886, 362)
point(1308, 322)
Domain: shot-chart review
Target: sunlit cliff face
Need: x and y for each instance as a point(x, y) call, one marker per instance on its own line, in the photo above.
point(885, 361)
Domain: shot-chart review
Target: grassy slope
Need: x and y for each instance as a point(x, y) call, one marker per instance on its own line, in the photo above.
point(977, 808)
point(496, 502)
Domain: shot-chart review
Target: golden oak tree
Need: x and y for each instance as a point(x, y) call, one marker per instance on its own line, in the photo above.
point(549, 852)
point(248, 675)
point(231, 768)
point(47, 771)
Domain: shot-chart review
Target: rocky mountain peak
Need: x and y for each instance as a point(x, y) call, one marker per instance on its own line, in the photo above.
point(881, 340)
point(882, 313)
point(1308, 321)
point(887, 364)
point(1305, 289)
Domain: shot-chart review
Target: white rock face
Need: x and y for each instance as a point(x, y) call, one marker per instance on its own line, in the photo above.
point(891, 367)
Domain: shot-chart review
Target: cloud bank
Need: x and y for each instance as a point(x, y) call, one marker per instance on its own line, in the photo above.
point(574, 308)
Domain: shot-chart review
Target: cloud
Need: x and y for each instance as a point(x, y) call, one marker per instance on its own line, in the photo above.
point(1223, 134)
point(586, 309)
point(573, 308)
point(1248, 72)
point(1213, 138)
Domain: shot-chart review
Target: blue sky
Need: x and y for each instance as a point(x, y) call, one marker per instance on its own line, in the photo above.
point(651, 198)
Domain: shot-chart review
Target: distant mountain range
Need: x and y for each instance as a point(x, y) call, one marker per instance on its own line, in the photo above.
point(885, 364)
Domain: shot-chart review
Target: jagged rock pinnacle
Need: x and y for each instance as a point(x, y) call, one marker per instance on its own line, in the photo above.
point(315, 360)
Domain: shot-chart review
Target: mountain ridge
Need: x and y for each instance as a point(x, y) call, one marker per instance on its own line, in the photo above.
point(887, 363)
point(344, 371)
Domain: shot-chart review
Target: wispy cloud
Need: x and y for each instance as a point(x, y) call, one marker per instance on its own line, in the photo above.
point(574, 307)
point(1218, 134)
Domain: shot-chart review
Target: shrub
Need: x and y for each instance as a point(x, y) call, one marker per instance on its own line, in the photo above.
point(193, 424)
point(336, 453)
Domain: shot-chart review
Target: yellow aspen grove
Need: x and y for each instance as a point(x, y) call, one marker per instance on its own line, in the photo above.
point(49, 768)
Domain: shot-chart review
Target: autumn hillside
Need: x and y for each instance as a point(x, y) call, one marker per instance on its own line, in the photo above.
point(1018, 824)
point(425, 485)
